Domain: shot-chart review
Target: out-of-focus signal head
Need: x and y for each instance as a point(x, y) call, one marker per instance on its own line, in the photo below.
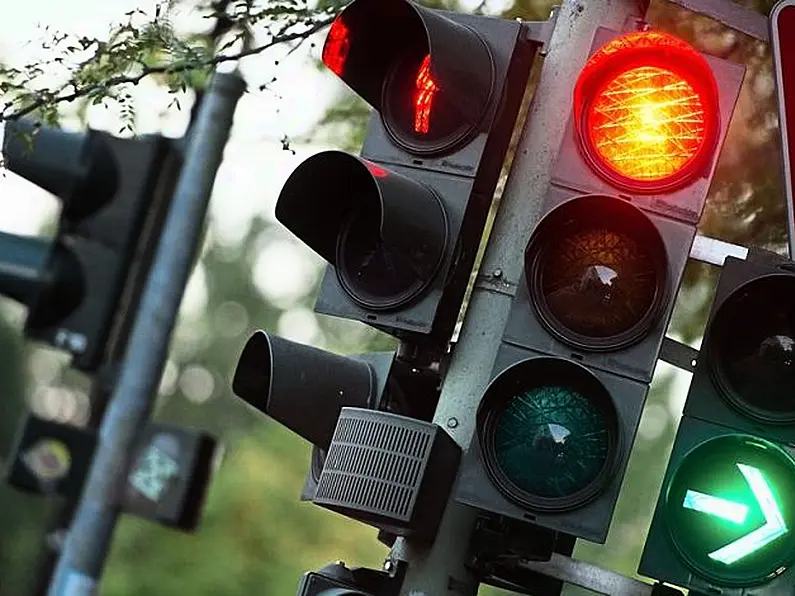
point(405, 61)
point(549, 435)
point(752, 349)
point(647, 112)
point(385, 234)
point(597, 272)
point(78, 168)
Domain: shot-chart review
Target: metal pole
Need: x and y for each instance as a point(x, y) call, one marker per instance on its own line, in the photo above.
point(88, 542)
point(439, 570)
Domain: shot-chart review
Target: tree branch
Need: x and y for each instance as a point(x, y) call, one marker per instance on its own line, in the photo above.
point(48, 100)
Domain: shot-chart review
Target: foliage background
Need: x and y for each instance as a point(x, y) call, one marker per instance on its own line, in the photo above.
point(256, 538)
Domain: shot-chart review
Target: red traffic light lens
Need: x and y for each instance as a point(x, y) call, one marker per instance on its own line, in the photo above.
point(337, 46)
point(751, 346)
point(596, 271)
point(647, 112)
point(549, 434)
point(417, 111)
point(431, 78)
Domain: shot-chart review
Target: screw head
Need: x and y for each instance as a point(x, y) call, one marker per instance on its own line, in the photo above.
point(452, 422)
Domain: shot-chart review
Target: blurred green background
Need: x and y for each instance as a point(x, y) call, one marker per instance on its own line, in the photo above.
point(256, 537)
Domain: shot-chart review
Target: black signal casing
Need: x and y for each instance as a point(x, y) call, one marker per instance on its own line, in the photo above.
point(113, 246)
point(176, 500)
point(464, 175)
point(381, 363)
point(705, 400)
point(420, 316)
point(589, 521)
point(637, 361)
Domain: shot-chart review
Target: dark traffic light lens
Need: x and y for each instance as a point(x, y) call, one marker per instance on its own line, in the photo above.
point(752, 348)
point(551, 441)
point(417, 112)
point(597, 272)
point(548, 431)
point(378, 274)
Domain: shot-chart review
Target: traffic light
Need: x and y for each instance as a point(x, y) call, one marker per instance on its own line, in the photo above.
point(601, 271)
point(400, 225)
point(726, 512)
point(305, 388)
point(115, 193)
point(272, 375)
point(371, 461)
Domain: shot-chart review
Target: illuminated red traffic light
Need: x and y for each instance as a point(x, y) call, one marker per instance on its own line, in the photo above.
point(335, 50)
point(426, 89)
point(647, 112)
point(412, 72)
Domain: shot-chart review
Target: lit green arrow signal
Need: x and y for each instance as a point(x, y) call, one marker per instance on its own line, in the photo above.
point(761, 537)
point(773, 528)
point(730, 508)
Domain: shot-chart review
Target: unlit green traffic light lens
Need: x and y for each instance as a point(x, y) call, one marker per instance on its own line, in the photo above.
point(551, 442)
point(730, 510)
point(752, 348)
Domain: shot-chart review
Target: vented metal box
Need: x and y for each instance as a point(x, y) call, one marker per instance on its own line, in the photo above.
point(389, 471)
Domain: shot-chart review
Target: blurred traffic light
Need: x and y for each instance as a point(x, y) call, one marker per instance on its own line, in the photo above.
point(726, 511)
point(114, 193)
point(602, 269)
point(401, 224)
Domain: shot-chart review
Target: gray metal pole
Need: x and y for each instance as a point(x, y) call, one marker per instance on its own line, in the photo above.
point(439, 570)
point(88, 542)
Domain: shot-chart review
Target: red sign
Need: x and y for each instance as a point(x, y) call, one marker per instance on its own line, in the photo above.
point(782, 36)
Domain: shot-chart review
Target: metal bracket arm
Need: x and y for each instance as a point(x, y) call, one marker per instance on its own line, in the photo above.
point(733, 15)
point(594, 578)
point(541, 31)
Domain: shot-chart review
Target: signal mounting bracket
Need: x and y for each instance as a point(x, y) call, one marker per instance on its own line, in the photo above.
point(678, 354)
point(595, 578)
point(541, 31)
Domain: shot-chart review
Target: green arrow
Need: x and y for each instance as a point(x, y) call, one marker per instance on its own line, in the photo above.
point(711, 505)
point(774, 522)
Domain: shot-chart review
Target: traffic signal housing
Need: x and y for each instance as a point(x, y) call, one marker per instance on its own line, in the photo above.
point(725, 516)
point(272, 376)
point(115, 193)
point(305, 388)
point(602, 269)
point(400, 224)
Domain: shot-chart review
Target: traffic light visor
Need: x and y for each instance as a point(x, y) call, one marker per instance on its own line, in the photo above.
point(597, 272)
point(406, 62)
point(647, 112)
point(751, 347)
point(78, 168)
point(549, 434)
point(385, 233)
point(301, 387)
